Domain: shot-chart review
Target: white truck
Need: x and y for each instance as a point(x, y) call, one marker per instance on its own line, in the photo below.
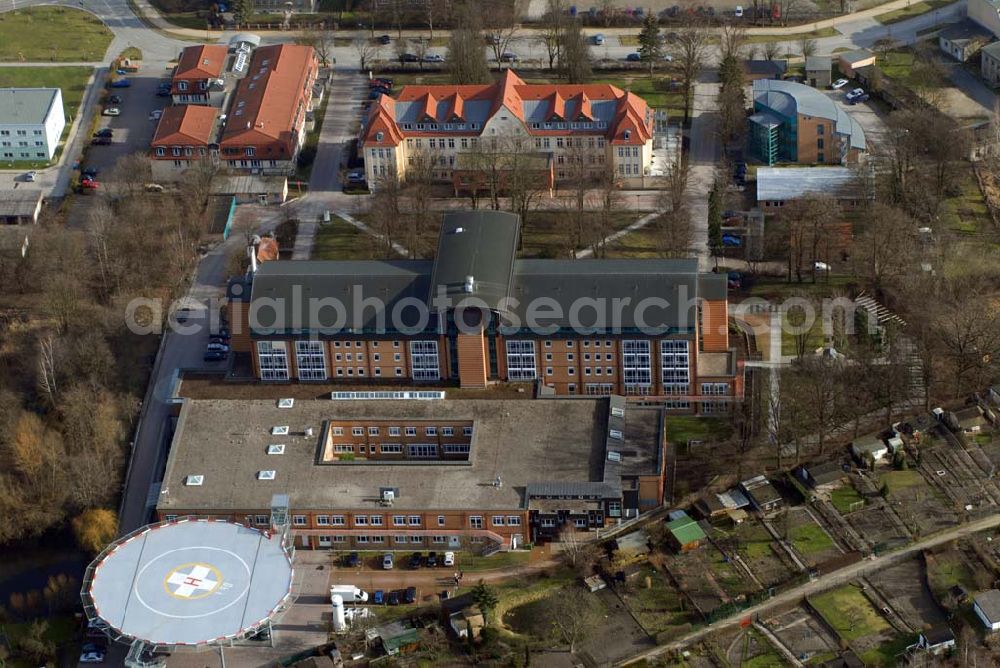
point(349, 593)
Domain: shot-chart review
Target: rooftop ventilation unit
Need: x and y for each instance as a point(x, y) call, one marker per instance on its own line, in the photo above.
point(277, 449)
point(618, 412)
point(614, 456)
point(308, 432)
point(617, 434)
point(279, 431)
point(386, 495)
point(425, 395)
point(265, 475)
point(286, 403)
point(194, 480)
point(470, 284)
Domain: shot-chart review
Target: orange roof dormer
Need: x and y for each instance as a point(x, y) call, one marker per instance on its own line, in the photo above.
point(583, 110)
point(457, 105)
point(430, 108)
point(507, 95)
point(557, 107)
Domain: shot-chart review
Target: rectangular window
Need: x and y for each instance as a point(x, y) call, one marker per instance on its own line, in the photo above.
point(521, 360)
point(394, 431)
point(416, 539)
point(322, 520)
point(513, 520)
point(497, 520)
point(377, 539)
point(421, 450)
point(715, 389)
point(399, 520)
point(476, 521)
point(261, 519)
point(343, 448)
point(614, 509)
point(337, 521)
point(311, 360)
point(440, 520)
point(324, 541)
point(360, 520)
point(273, 359)
point(636, 366)
point(361, 540)
point(339, 539)
point(373, 431)
point(375, 520)
point(467, 431)
point(675, 369)
point(430, 431)
point(299, 520)
point(447, 431)
point(439, 539)
point(548, 523)
point(580, 523)
point(425, 361)
point(391, 448)
point(411, 431)
point(358, 431)
point(413, 520)
point(456, 449)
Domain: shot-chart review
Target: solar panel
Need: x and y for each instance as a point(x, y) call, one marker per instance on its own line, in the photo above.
point(424, 395)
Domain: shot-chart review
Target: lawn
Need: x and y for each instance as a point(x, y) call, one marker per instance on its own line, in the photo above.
point(814, 34)
point(913, 10)
point(52, 34)
point(814, 338)
point(896, 481)
point(339, 240)
point(886, 654)
point(72, 81)
point(548, 234)
point(684, 428)
point(779, 288)
point(810, 539)
point(947, 569)
point(897, 64)
point(967, 213)
point(754, 540)
point(849, 613)
point(473, 563)
point(657, 607)
point(844, 497)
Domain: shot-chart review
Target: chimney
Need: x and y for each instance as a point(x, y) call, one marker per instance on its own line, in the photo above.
point(470, 284)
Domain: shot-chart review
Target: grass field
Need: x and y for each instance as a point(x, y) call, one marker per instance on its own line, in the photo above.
point(657, 607)
point(849, 613)
point(947, 569)
point(814, 34)
point(915, 9)
point(339, 240)
point(886, 654)
point(810, 539)
point(899, 480)
point(814, 339)
point(844, 497)
point(52, 34)
point(684, 428)
point(72, 81)
point(967, 213)
point(474, 563)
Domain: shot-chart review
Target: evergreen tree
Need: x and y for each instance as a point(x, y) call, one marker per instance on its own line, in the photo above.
point(466, 57)
point(574, 54)
point(243, 10)
point(650, 46)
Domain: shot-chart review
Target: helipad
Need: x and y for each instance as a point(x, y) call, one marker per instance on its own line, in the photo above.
point(190, 582)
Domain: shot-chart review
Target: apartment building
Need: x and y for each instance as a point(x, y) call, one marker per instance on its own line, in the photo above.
point(200, 75)
point(371, 473)
point(793, 122)
point(259, 125)
point(477, 315)
point(584, 130)
point(31, 123)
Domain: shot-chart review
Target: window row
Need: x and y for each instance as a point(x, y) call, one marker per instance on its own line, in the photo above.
point(397, 431)
point(475, 521)
point(310, 357)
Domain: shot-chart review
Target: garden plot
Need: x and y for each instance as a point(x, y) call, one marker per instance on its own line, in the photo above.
point(852, 617)
point(904, 587)
point(923, 508)
point(810, 540)
point(707, 578)
point(960, 480)
point(758, 551)
point(876, 525)
point(750, 648)
point(949, 568)
point(804, 635)
point(655, 604)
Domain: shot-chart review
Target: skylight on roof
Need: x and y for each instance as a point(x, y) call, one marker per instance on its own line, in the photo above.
point(617, 434)
point(194, 480)
point(279, 431)
point(614, 456)
point(276, 449)
point(265, 475)
point(286, 403)
point(618, 412)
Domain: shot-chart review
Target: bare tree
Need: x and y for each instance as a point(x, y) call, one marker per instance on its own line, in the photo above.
point(579, 553)
point(808, 46)
point(321, 41)
point(691, 50)
point(387, 205)
point(48, 382)
point(573, 616)
point(551, 31)
point(771, 50)
point(673, 224)
point(733, 41)
point(574, 54)
point(367, 51)
point(501, 22)
point(466, 58)
point(886, 249)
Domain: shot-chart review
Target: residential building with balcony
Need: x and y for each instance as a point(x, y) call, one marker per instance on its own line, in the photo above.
point(477, 315)
point(585, 131)
point(387, 474)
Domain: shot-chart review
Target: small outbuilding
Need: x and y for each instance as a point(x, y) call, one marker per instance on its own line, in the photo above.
point(467, 622)
point(764, 69)
point(20, 207)
point(685, 533)
point(394, 638)
point(964, 39)
point(761, 493)
point(987, 608)
point(819, 71)
point(870, 448)
point(936, 640)
point(821, 477)
point(852, 60)
point(252, 188)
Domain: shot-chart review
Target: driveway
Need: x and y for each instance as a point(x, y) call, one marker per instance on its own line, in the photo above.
point(871, 120)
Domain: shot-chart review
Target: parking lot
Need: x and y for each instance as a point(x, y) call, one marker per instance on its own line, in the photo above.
point(866, 114)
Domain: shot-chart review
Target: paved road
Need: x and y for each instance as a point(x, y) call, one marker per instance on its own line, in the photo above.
point(823, 583)
point(702, 159)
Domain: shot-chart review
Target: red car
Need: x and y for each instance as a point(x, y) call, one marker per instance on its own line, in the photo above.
point(89, 184)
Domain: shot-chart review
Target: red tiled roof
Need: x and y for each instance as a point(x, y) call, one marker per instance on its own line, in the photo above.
point(633, 114)
point(205, 61)
point(186, 125)
point(269, 105)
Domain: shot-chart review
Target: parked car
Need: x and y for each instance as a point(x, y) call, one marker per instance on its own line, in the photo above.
point(821, 266)
point(115, 99)
point(434, 58)
point(667, 58)
point(384, 39)
point(91, 653)
point(214, 356)
point(633, 57)
point(416, 561)
point(112, 111)
point(217, 346)
point(860, 98)
point(352, 560)
point(734, 280)
point(379, 597)
point(165, 85)
point(738, 12)
point(599, 39)
point(508, 57)
point(838, 84)
point(854, 94)
point(120, 71)
point(393, 598)
point(155, 114)
point(121, 83)
point(387, 561)
point(731, 240)
point(381, 81)
point(30, 176)
point(410, 58)
point(89, 172)
point(163, 92)
point(449, 558)
point(157, 188)
point(410, 595)
point(432, 559)
point(101, 141)
point(88, 183)
point(105, 132)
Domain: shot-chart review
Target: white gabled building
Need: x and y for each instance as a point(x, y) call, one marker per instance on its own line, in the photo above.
point(31, 123)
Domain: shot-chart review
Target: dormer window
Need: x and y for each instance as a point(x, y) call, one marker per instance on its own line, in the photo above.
point(182, 85)
point(250, 151)
point(160, 150)
point(379, 136)
point(628, 135)
point(203, 85)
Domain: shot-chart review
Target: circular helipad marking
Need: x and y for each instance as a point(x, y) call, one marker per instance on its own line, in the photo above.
point(193, 582)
